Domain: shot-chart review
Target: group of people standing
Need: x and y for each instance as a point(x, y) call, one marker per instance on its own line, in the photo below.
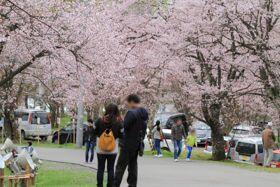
point(178, 134)
point(112, 135)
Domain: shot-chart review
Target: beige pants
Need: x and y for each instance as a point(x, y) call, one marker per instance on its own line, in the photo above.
point(268, 155)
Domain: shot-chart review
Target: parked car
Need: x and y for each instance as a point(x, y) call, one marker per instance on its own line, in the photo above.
point(66, 134)
point(28, 125)
point(166, 128)
point(248, 150)
point(203, 132)
point(243, 131)
point(276, 159)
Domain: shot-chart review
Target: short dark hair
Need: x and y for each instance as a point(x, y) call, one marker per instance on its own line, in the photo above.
point(90, 121)
point(133, 98)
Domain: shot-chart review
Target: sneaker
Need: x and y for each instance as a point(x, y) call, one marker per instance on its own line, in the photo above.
point(160, 155)
point(187, 159)
point(176, 160)
point(155, 155)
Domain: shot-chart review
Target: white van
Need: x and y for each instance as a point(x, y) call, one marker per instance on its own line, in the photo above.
point(28, 125)
point(248, 150)
point(1, 122)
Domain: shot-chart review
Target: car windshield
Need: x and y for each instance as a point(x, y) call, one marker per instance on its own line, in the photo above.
point(276, 157)
point(245, 148)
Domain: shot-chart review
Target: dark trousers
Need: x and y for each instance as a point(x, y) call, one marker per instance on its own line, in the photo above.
point(89, 148)
point(102, 158)
point(127, 158)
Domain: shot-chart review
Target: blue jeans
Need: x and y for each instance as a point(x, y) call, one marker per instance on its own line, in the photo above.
point(189, 152)
point(157, 146)
point(89, 148)
point(177, 148)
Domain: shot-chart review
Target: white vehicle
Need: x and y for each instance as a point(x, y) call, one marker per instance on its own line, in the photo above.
point(248, 150)
point(33, 123)
point(1, 122)
point(244, 131)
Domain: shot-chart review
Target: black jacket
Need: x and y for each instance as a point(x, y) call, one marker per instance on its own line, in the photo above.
point(89, 134)
point(135, 122)
point(115, 126)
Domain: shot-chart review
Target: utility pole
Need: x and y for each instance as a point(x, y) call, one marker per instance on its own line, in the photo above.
point(79, 130)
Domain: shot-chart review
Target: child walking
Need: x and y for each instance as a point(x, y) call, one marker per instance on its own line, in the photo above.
point(190, 143)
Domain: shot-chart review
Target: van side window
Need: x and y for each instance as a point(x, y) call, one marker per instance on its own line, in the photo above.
point(34, 118)
point(260, 148)
point(25, 116)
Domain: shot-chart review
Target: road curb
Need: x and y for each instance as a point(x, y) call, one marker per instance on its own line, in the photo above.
point(71, 163)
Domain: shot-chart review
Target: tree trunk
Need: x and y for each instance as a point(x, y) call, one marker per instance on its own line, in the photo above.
point(10, 127)
point(211, 109)
point(54, 113)
point(218, 143)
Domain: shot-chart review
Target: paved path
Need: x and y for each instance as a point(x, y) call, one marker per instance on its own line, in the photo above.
point(165, 173)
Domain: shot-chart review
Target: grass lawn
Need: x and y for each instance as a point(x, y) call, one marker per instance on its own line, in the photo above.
point(51, 174)
point(56, 177)
point(198, 154)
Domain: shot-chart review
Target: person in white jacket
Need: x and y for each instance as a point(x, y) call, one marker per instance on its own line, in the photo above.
point(157, 135)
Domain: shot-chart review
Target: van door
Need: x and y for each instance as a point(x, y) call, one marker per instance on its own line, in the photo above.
point(42, 129)
point(245, 151)
point(24, 125)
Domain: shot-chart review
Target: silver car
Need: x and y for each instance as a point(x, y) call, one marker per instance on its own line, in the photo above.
point(203, 132)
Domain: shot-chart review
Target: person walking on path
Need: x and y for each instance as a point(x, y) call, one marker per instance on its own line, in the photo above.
point(268, 139)
point(108, 131)
point(90, 141)
point(158, 137)
point(190, 143)
point(135, 125)
point(177, 134)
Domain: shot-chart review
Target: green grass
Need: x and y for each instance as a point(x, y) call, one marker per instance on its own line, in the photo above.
point(65, 177)
point(47, 144)
point(249, 166)
point(196, 155)
point(200, 155)
point(51, 174)
point(65, 120)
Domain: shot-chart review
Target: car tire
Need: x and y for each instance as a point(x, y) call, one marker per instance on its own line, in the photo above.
point(23, 136)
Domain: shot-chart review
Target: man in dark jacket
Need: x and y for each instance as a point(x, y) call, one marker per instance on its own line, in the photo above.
point(135, 125)
point(90, 141)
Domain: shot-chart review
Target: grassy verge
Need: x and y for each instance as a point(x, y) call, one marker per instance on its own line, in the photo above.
point(196, 155)
point(200, 155)
point(48, 144)
point(52, 174)
point(249, 166)
point(53, 177)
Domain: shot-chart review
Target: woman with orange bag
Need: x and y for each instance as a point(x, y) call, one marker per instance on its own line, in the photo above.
point(108, 131)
